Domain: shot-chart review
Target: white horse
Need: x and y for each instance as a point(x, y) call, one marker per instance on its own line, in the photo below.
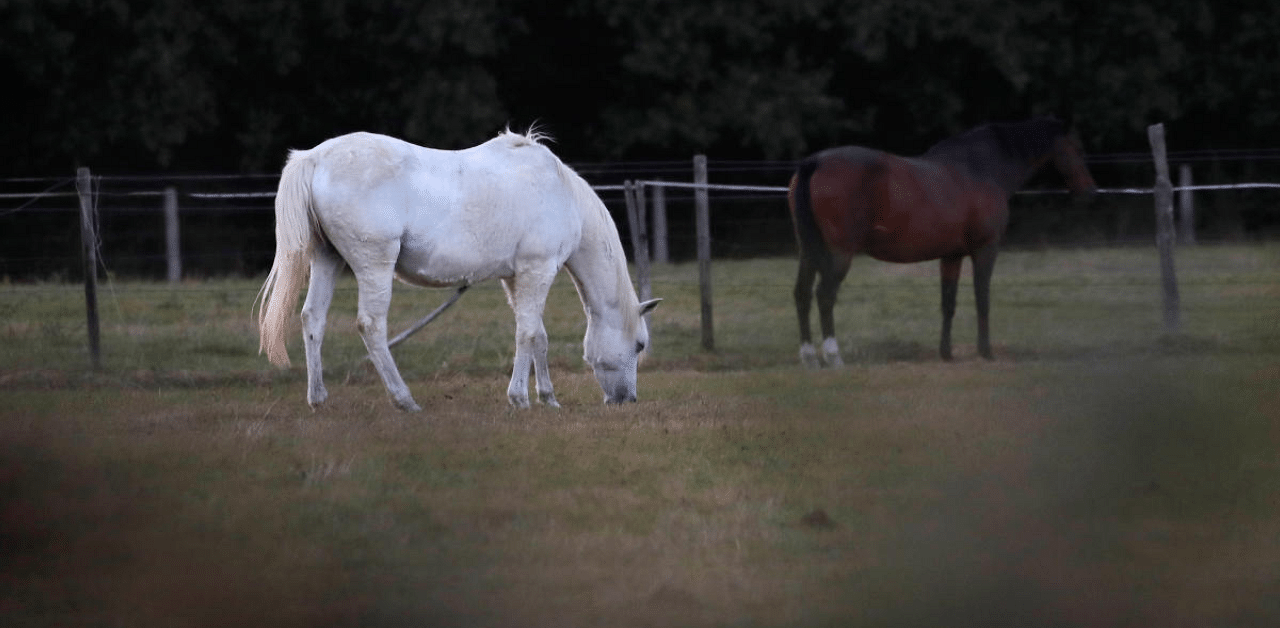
point(508, 208)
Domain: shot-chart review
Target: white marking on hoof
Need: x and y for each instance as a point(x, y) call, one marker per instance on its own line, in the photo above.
point(831, 353)
point(809, 356)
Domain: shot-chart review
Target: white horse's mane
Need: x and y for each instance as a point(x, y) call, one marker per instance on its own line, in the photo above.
point(534, 135)
point(616, 257)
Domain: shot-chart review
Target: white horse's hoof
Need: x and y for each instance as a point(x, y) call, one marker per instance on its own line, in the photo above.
point(518, 401)
point(408, 405)
point(549, 400)
point(317, 399)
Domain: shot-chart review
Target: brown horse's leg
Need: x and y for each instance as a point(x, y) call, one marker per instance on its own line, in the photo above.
point(984, 262)
point(950, 268)
point(828, 285)
point(804, 303)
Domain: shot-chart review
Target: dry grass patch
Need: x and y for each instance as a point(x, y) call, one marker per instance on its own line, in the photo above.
point(992, 492)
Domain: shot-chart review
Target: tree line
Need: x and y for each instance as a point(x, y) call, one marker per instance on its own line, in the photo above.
point(187, 85)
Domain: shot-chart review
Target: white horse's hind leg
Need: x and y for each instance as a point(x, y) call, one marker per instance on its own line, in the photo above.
point(374, 272)
point(527, 294)
point(315, 310)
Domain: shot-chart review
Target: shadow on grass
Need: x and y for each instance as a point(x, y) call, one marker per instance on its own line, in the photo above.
point(1167, 345)
point(890, 350)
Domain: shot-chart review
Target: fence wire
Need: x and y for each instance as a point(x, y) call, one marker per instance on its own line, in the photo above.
point(225, 219)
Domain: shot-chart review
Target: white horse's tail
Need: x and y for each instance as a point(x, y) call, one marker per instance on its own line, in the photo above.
point(294, 245)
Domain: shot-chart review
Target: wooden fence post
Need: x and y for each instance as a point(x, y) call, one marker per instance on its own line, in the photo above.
point(636, 220)
point(1186, 207)
point(89, 251)
point(702, 210)
point(1164, 227)
point(172, 239)
point(661, 253)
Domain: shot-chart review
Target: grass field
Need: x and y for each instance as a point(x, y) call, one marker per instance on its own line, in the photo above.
point(1100, 472)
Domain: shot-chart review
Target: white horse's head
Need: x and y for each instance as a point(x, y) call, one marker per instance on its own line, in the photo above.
point(613, 351)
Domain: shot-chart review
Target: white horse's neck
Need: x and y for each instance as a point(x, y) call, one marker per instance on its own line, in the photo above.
point(599, 267)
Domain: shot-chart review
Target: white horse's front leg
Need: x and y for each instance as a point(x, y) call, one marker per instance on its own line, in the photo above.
point(315, 311)
point(527, 294)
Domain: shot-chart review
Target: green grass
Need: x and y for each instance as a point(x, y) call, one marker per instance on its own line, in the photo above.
point(1045, 304)
point(1099, 472)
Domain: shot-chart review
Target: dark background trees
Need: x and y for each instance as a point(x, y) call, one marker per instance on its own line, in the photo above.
point(165, 88)
point(183, 85)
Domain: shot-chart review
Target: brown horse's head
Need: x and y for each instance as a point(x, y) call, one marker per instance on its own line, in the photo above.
point(1068, 157)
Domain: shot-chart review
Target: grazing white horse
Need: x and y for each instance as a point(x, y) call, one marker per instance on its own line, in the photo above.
point(508, 208)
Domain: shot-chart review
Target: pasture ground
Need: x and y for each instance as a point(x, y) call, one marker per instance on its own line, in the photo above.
point(1099, 472)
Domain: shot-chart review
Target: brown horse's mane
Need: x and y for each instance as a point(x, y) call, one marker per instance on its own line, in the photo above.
point(996, 149)
point(1027, 139)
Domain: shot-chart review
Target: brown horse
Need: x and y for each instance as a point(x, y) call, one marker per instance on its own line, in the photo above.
point(951, 202)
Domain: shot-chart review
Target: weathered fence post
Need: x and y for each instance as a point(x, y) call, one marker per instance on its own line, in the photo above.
point(636, 220)
point(173, 252)
point(1186, 207)
point(1164, 227)
point(702, 211)
point(661, 253)
point(89, 251)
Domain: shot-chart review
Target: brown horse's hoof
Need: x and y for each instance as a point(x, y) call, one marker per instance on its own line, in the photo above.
point(809, 357)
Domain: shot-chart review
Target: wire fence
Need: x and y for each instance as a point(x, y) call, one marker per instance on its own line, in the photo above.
point(226, 220)
point(227, 227)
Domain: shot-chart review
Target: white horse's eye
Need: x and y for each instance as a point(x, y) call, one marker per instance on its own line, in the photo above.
point(639, 347)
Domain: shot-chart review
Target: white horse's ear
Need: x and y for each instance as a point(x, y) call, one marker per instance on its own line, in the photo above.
point(648, 306)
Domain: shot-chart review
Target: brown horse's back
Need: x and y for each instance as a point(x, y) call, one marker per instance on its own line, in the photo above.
point(899, 209)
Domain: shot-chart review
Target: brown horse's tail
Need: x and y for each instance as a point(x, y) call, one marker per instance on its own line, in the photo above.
point(808, 236)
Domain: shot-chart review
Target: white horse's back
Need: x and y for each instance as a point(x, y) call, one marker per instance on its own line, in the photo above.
point(461, 216)
point(507, 209)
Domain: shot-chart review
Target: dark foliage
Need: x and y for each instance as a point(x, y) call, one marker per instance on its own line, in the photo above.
point(228, 86)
